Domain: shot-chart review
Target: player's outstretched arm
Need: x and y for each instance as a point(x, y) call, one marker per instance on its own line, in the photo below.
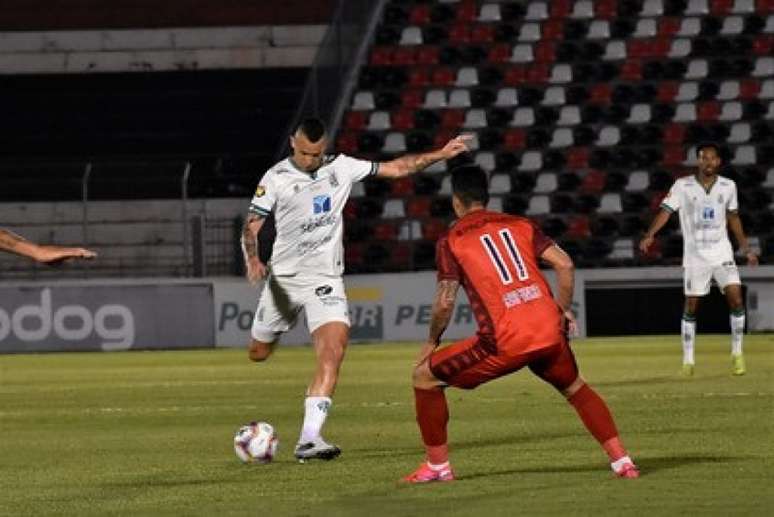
point(255, 269)
point(41, 253)
point(443, 306)
point(735, 225)
point(562, 264)
point(413, 163)
point(658, 222)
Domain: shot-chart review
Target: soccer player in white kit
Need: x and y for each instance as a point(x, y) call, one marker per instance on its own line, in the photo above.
point(707, 203)
point(307, 192)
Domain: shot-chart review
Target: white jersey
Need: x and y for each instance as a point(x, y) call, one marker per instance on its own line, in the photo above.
point(308, 209)
point(703, 219)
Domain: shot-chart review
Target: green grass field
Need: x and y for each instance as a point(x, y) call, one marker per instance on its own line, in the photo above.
point(150, 433)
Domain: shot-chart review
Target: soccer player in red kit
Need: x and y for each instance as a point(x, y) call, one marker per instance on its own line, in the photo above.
point(494, 256)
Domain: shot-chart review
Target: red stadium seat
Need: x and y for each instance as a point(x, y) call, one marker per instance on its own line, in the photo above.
point(467, 11)
point(579, 227)
point(514, 139)
point(708, 111)
point(442, 76)
point(578, 158)
point(427, 56)
point(638, 48)
point(538, 74)
point(482, 34)
point(601, 93)
point(593, 182)
point(674, 134)
point(749, 89)
point(561, 8)
point(381, 56)
point(606, 9)
point(673, 155)
point(459, 33)
point(553, 29)
point(420, 15)
point(346, 143)
point(353, 255)
point(400, 256)
point(500, 53)
point(762, 45)
point(403, 119)
point(668, 26)
point(419, 77)
point(403, 56)
point(721, 7)
point(385, 231)
point(355, 120)
point(631, 71)
point(412, 99)
point(765, 6)
point(667, 91)
point(545, 52)
point(350, 210)
point(443, 136)
point(402, 187)
point(418, 207)
point(515, 76)
point(452, 119)
point(432, 229)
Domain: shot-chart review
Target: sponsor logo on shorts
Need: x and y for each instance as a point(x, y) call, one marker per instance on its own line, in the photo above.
point(323, 290)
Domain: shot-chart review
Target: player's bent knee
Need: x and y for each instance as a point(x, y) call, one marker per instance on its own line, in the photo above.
point(573, 388)
point(422, 378)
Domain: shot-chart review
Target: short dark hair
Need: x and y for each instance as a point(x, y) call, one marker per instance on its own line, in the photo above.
point(470, 184)
point(709, 145)
point(313, 128)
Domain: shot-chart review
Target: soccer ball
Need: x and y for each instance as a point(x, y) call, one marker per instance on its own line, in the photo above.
point(256, 442)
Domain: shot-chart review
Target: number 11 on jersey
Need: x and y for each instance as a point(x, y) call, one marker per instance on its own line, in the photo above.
point(509, 244)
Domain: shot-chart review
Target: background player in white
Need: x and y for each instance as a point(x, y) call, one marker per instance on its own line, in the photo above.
point(707, 204)
point(307, 192)
point(9, 241)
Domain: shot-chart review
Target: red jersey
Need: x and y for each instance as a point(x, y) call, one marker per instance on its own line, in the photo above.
point(495, 256)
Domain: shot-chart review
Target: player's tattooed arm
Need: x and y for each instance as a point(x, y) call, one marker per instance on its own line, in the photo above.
point(443, 306)
point(413, 163)
point(255, 269)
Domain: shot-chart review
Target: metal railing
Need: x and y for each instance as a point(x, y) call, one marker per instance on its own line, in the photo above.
point(334, 73)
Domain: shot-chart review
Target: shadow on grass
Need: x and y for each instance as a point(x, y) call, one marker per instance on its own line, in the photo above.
point(634, 382)
point(494, 441)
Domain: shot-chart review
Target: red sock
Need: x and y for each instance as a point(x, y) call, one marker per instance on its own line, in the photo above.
point(432, 417)
point(598, 420)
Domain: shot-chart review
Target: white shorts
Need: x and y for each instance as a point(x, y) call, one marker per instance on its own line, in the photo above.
point(323, 298)
point(697, 279)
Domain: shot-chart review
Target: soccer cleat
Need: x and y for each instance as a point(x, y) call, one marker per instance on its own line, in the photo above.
point(687, 370)
point(627, 471)
point(737, 365)
point(426, 474)
point(317, 449)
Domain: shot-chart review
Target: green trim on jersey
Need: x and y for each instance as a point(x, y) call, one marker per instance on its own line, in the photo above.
point(667, 208)
point(258, 210)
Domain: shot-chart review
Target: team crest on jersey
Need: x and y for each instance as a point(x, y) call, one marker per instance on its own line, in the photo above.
point(323, 290)
point(260, 191)
point(322, 204)
point(333, 180)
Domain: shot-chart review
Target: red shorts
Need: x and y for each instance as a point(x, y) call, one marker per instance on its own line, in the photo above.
point(467, 363)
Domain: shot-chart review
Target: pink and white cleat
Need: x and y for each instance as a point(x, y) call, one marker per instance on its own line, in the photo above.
point(426, 474)
point(628, 470)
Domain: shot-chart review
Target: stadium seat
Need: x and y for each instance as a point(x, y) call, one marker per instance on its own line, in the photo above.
point(523, 117)
point(538, 205)
point(531, 161)
point(546, 183)
point(599, 29)
point(610, 203)
point(459, 98)
point(579, 227)
point(569, 116)
point(562, 137)
point(495, 204)
point(500, 183)
point(490, 12)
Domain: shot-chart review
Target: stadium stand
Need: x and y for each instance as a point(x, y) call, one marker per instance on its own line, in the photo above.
point(584, 112)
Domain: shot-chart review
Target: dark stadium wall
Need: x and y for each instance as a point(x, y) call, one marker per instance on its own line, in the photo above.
point(656, 310)
point(123, 14)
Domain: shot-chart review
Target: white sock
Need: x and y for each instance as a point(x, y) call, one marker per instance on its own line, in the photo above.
point(436, 468)
point(688, 329)
point(618, 464)
point(315, 413)
point(737, 332)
